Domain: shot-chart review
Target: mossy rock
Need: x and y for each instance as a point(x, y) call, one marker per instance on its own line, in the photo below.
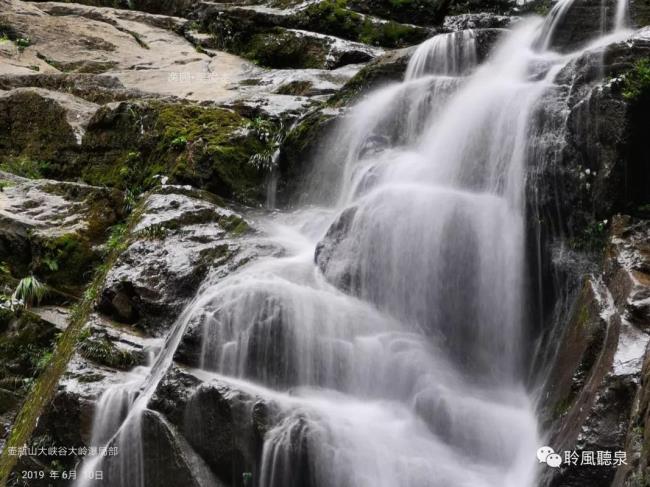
point(130, 145)
point(281, 48)
point(66, 261)
point(102, 351)
point(333, 17)
point(298, 151)
point(639, 12)
point(500, 7)
point(25, 349)
point(419, 12)
point(297, 40)
point(389, 68)
point(32, 127)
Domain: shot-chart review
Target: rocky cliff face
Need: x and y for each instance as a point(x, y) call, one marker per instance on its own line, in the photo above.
point(137, 145)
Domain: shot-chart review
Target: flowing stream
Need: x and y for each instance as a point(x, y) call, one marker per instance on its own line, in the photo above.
point(392, 331)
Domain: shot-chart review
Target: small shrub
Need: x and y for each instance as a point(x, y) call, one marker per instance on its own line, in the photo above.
point(636, 84)
point(29, 291)
point(116, 238)
point(153, 232)
point(23, 42)
point(179, 143)
point(104, 352)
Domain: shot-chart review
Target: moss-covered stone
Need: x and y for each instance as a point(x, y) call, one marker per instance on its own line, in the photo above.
point(65, 261)
point(333, 17)
point(298, 151)
point(32, 128)
point(101, 350)
point(419, 12)
point(132, 144)
point(297, 39)
point(501, 7)
point(25, 348)
point(281, 48)
point(639, 12)
point(388, 68)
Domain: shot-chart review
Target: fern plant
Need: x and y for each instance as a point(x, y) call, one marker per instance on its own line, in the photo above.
point(28, 292)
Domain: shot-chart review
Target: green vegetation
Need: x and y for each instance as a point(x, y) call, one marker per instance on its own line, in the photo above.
point(280, 48)
point(65, 261)
point(25, 167)
point(5, 184)
point(179, 142)
point(152, 232)
point(636, 83)
point(23, 42)
point(207, 147)
point(234, 224)
point(44, 387)
point(335, 18)
point(102, 351)
point(593, 237)
point(29, 291)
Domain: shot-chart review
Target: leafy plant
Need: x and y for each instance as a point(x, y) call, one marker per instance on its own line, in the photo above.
point(101, 350)
point(42, 361)
point(153, 232)
point(116, 238)
point(130, 199)
point(636, 83)
point(179, 142)
point(23, 42)
point(51, 263)
point(28, 292)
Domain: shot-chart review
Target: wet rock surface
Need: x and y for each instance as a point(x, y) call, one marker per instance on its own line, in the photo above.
point(52, 228)
point(179, 238)
point(139, 98)
point(593, 390)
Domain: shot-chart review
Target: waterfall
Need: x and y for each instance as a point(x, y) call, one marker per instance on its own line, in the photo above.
point(391, 331)
point(450, 54)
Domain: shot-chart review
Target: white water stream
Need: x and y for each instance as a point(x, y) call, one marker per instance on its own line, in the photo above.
point(398, 358)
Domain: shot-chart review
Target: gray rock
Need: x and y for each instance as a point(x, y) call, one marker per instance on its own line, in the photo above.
point(592, 389)
point(178, 239)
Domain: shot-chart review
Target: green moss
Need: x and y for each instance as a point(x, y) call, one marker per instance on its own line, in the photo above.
point(234, 224)
point(296, 88)
point(5, 184)
point(562, 407)
point(65, 261)
point(636, 83)
point(24, 166)
point(103, 352)
point(208, 147)
point(44, 388)
point(583, 316)
point(282, 49)
point(25, 349)
point(152, 232)
point(334, 18)
point(35, 131)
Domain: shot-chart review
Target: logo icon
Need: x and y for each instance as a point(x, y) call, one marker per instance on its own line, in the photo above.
point(547, 455)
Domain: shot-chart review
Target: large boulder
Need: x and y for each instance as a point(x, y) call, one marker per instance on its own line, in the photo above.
point(225, 426)
point(180, 236)
point(53, 229)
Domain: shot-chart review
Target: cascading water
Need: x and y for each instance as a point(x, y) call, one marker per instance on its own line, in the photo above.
point(398, 359)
